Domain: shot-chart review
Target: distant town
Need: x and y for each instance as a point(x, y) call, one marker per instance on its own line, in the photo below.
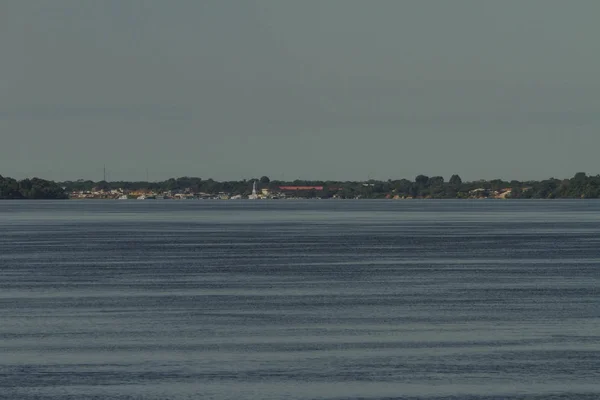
point(279, 192)
point(188, 193)
point(580, 185)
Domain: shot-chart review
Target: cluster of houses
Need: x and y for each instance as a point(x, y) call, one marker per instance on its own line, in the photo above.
point(480, 193)
point(490, 194)
point(282, 192)
point(122, 194)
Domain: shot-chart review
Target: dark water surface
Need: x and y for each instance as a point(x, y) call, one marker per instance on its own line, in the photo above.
point(300, 300)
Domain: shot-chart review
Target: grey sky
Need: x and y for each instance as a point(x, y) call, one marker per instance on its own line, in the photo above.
point(323, 89)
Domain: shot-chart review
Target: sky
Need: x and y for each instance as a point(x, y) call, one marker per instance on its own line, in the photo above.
point(311, 89)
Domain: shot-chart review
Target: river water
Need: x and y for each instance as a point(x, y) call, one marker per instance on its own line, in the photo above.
point(320, 299)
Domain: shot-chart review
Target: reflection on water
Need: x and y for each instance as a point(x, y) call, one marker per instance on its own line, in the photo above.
point(300, 300)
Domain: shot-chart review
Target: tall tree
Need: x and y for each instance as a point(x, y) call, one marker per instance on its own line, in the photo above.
point(422, 180)
point(455, 180)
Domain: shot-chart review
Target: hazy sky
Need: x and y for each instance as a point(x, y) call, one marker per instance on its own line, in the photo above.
point(299, 89)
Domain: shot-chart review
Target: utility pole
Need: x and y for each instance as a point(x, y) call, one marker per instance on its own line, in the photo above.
point(104, 170)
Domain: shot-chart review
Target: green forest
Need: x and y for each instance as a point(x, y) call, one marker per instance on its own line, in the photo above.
point(30, 189)
point(434, 187)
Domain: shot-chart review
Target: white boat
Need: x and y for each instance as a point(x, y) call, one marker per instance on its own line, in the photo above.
point(123, 197)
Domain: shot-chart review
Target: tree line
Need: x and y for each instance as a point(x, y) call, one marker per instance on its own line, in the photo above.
point(579, 186)
point(30, 189)
point(436, 187)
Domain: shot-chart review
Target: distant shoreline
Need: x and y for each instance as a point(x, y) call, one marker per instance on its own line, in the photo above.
point(580, 186)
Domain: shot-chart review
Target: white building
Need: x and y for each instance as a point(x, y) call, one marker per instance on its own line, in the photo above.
point(254, 195)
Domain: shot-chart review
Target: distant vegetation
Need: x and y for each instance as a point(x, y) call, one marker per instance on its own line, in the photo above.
point(579, 186)
point(30, 189)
